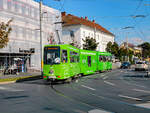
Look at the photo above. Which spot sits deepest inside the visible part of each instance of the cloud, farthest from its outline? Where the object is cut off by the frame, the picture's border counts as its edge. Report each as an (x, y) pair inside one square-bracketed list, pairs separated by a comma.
[(135, 41)]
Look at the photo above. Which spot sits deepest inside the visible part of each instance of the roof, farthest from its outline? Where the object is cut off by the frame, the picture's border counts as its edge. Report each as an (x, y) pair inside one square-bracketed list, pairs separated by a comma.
[(127, 44), (74, 20)]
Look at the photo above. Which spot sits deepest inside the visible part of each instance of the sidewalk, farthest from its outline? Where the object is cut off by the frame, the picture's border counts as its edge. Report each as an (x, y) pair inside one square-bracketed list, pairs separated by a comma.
[(20, 77)]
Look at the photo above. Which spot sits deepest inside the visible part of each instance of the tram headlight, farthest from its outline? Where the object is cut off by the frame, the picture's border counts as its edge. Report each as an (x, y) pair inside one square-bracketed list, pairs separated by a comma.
[(51, 71)]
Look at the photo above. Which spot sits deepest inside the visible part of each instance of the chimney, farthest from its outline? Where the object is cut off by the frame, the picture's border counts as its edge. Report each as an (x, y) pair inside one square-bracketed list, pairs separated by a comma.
[(93, 21), (86, 18), (63, 13)]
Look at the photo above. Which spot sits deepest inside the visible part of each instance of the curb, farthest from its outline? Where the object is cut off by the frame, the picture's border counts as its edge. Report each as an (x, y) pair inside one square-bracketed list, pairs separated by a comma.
[(8, 82), (21, 79)]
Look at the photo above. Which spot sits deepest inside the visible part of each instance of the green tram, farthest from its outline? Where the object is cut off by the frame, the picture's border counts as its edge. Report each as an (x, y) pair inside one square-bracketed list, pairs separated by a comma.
[(62, 62)]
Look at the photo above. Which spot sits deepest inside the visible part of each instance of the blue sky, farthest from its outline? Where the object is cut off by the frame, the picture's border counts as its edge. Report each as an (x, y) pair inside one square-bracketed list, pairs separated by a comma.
[(113, 15)]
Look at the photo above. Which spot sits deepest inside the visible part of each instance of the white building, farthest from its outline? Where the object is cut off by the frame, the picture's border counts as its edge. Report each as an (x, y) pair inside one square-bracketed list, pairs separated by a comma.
[(76, 28), (24, 40)]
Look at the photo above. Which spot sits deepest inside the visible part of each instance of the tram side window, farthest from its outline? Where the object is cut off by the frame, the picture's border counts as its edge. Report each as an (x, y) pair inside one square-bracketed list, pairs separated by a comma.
[(74, 57), (101, 58), (104, 59), (64, 56), (89, 61)]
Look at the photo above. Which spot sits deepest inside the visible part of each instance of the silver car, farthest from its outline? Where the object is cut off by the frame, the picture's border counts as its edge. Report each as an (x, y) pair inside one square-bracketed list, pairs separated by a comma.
[(141, 66)]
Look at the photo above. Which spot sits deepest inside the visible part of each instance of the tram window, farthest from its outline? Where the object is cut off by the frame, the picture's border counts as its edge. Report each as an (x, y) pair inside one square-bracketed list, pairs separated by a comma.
[(64, 56), (51, 55), (104, 58), (89, 61), (74, 57), (100, 58)]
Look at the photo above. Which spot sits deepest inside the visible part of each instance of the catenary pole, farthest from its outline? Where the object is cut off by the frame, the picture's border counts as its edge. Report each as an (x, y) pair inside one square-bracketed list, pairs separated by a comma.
[(40, 17)]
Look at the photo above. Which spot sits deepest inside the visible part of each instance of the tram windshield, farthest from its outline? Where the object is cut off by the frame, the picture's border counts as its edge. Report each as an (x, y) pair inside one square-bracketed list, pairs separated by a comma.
[(52, 55)]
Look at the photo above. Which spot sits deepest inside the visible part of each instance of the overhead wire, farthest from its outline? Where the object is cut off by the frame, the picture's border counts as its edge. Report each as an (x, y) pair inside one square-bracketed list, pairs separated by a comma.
[(62, 4)]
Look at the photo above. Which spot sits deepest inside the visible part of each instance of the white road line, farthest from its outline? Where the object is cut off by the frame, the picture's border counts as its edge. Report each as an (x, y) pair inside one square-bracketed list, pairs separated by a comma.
[(145, 105), (98, 111), (10, 89), (140, 90), (105, 77), (88, 87), (133, 98), (112, 84), (102, 75)]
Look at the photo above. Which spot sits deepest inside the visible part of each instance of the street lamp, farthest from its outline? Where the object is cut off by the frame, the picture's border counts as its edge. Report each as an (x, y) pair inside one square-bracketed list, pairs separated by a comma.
[(127, 27), (40, 17)]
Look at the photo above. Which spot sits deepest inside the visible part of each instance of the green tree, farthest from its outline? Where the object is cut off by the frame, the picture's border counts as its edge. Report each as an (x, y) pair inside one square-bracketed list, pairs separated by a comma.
[(109, 47), (145, 49), (112, 48), (90, 43), (5, 30)]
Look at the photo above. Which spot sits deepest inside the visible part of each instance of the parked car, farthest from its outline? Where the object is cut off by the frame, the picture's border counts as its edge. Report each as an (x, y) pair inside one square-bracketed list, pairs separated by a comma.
[(125, 65), (141, 66)]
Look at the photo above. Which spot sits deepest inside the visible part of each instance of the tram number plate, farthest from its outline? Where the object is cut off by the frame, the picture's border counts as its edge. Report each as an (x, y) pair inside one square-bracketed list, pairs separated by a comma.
[(52, 77)]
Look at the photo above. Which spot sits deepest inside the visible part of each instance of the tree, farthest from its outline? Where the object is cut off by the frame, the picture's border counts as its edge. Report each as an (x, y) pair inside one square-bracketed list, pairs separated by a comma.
[(5, 30), (90, 43), (145, 49), (113, 48), (109, 47)]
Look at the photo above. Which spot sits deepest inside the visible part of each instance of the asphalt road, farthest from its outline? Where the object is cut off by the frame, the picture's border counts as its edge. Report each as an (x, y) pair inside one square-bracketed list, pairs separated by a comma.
[(118, 91)]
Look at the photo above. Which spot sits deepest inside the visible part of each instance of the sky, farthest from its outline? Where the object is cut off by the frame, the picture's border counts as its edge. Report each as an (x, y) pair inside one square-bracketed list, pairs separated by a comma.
[(128, 20)]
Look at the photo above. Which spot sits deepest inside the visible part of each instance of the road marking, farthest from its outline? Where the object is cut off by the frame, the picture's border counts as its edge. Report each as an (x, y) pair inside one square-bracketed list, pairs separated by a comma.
[(102, 75), (133, 98), (112, 84), (140, 90), (10, 89), (88, 87), (98, 111), (145, 105), (105, 77)]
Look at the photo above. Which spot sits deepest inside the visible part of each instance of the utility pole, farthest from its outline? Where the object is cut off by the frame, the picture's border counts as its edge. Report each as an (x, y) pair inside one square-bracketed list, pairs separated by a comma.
[(40, 18)]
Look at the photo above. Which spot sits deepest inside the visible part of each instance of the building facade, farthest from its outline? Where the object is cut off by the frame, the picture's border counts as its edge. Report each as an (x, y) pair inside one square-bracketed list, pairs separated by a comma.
[(23, 48), (76, 29)]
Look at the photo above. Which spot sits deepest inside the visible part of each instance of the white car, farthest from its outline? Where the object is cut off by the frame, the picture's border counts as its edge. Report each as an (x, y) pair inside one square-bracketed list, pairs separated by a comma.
[(141, 66)]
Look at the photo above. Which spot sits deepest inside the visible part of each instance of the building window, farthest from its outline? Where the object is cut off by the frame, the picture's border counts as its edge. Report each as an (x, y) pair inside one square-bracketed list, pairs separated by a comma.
[(72, 33), (83, 33), (9, 4), (24, 32), (16, 6), (23, 9), (1, 4), (92, 35)]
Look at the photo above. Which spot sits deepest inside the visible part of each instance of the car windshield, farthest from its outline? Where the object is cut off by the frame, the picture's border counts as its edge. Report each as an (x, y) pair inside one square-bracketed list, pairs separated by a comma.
[(51, 55), (124, 63), (140, 63)]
